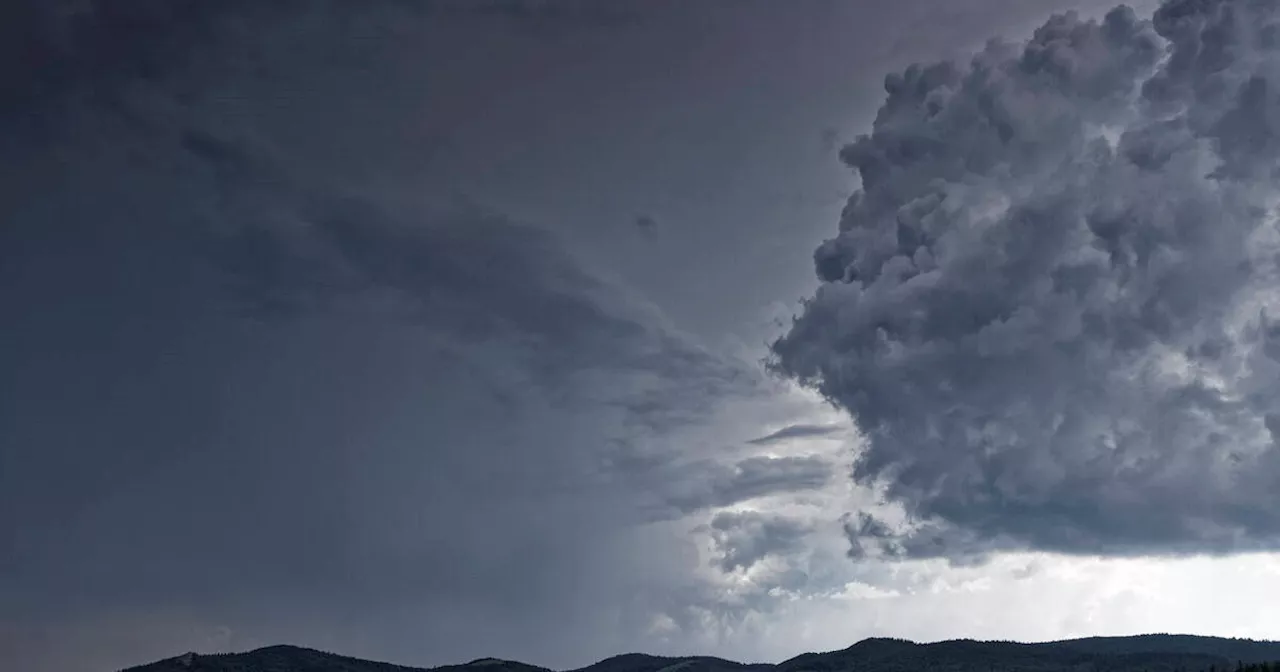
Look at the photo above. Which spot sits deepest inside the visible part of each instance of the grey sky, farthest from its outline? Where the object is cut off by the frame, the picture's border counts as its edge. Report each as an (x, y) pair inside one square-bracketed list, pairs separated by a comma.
[(426, 334)]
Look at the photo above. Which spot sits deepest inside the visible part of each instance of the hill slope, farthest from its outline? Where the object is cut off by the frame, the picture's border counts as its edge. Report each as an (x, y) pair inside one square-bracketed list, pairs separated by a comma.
[(1143, 653)]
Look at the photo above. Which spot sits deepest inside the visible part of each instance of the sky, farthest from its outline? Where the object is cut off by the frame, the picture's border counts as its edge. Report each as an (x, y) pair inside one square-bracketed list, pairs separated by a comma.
[(431, 331)]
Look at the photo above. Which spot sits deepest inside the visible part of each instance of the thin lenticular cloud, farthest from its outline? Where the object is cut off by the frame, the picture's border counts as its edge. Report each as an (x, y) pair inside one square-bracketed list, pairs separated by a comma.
[(796, 432), (1052, 306)]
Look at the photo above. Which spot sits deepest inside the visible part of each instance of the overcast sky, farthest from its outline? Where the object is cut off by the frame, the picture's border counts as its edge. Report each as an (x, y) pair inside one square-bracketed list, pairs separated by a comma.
[(428, 331)]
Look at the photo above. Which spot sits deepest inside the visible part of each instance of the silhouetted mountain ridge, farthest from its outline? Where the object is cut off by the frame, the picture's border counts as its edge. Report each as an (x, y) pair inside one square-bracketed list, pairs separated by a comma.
[(1141, 653), (643, 662)]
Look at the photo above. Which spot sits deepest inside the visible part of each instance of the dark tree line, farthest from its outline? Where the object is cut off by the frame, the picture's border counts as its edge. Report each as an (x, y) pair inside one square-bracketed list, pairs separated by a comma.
[(1252, 667)]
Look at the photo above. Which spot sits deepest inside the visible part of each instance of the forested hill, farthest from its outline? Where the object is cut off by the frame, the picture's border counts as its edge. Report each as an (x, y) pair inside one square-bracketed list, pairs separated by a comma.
[(1144, 653), (1246, 650)]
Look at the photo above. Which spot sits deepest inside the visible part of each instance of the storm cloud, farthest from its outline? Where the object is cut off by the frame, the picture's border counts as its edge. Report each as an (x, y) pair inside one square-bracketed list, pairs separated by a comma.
[(237, 374), (1052, 306), (336, 324)]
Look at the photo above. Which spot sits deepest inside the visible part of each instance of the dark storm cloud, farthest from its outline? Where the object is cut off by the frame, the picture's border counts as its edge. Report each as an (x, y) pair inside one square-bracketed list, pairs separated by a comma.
[(241, 389), (748, 537), (467, 270), (263, 382), (136, 335), (795, 432), (1051, 307)]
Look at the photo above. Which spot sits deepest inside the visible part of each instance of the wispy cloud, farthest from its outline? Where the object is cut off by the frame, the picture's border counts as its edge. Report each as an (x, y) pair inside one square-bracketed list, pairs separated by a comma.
[(796, 432)]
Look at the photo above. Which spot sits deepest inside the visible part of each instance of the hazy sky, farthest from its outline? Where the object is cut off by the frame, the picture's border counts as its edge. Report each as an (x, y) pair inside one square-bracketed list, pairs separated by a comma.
[(427, 331)]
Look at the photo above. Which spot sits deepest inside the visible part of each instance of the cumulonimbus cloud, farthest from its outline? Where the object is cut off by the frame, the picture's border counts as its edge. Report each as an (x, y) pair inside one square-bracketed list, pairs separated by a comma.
[(1052, 305)]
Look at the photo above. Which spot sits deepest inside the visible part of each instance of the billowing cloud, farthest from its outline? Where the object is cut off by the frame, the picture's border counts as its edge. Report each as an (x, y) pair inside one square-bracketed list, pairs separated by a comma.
[(1052, 306), (746, 538)]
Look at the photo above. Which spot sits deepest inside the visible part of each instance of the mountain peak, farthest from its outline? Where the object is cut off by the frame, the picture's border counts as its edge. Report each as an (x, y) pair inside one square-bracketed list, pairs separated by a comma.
[(881, 641)]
